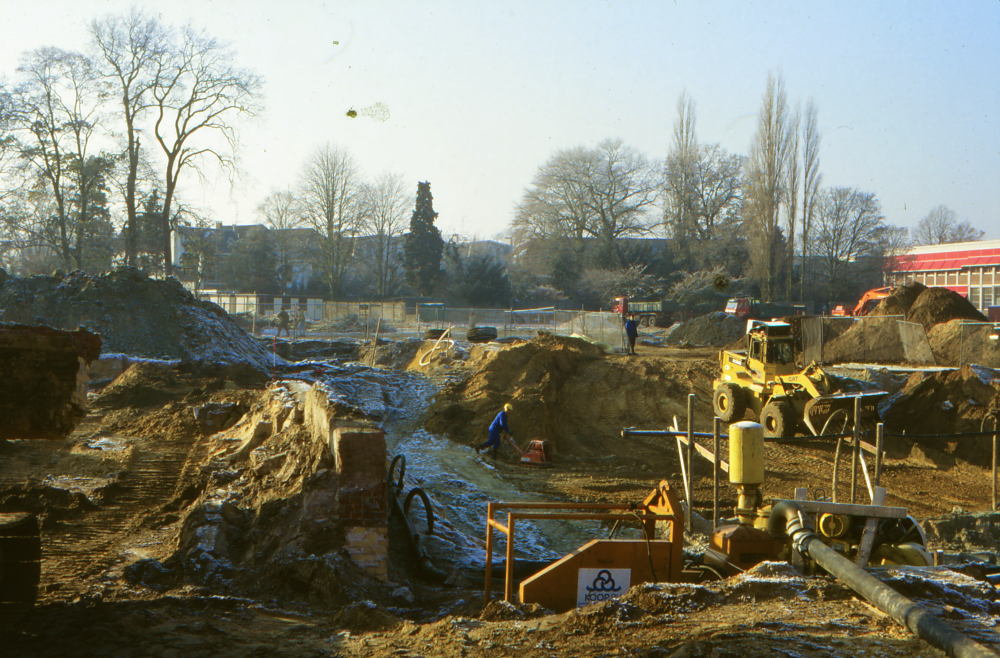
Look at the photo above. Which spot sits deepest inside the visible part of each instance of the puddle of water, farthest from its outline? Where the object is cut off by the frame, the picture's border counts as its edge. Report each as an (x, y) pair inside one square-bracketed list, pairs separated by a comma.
[(105, 445)]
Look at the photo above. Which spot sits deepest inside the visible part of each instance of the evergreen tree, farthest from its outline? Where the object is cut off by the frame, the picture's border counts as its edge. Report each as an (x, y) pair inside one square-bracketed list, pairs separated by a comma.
[(424, 246)]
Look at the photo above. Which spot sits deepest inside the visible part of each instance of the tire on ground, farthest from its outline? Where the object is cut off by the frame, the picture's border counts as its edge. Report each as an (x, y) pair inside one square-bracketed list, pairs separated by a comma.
[(729, 403), (481, 334), (778, 419), (433, 334)]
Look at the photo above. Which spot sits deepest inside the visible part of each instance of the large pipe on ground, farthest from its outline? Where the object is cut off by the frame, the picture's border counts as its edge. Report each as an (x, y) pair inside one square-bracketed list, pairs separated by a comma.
[(788, 519)]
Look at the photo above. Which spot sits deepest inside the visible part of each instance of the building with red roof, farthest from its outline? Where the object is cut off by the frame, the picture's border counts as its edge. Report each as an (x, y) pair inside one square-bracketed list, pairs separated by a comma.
[(971, 269)]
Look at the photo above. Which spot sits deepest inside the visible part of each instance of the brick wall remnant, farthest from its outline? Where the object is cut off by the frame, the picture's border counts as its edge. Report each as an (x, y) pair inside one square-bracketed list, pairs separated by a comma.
[(43, 380)]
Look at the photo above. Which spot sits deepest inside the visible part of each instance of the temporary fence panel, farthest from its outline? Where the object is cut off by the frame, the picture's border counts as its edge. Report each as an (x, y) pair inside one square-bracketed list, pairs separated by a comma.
[(873, 339), (232, 303), (812, 339), (916, 347), (979, 344)]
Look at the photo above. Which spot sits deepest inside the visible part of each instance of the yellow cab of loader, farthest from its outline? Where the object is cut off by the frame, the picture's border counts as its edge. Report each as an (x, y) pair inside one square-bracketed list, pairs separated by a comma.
[(765, 379)]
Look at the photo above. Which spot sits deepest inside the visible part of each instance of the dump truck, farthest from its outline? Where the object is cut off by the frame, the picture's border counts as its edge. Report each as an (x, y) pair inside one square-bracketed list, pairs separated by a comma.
[(765, 378), (44, 373), (748, 308), (659, 312)]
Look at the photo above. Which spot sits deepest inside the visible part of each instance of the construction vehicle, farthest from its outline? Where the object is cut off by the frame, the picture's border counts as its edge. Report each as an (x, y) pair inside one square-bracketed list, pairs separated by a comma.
[(748, 308), (765, 379), (658, 313), (44, 374), (865, 305)]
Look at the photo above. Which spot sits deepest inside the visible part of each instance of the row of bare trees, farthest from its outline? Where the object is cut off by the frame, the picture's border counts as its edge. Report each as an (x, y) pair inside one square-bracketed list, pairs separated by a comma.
[(73, 126), (355, 223), (764, 216)]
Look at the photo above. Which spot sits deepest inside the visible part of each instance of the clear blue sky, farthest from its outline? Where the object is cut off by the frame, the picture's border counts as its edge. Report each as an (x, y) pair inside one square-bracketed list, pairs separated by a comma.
[(480, 94)]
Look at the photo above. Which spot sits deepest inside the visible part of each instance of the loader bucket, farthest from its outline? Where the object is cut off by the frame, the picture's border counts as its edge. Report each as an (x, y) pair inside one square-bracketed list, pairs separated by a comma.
[(819, 410)]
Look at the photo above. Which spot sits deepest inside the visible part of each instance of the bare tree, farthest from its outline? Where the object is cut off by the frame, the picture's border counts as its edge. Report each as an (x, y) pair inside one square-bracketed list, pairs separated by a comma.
[(132, 48), (197, 94), (791, 194), (893, 242), (603, 193), (766, 177), (941, 226), (678, 175), (386, 204), (55, 111), (330, 203), (849, 225), (280, 214), (712, 203), (810, 188)]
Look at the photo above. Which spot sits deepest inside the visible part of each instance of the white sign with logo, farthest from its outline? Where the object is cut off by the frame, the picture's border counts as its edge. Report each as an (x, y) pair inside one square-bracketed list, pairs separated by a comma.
[(595, 585)]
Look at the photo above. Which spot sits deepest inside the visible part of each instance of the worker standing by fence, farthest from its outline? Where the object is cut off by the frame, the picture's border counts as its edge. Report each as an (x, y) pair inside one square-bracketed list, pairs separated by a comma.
[(631, 332)]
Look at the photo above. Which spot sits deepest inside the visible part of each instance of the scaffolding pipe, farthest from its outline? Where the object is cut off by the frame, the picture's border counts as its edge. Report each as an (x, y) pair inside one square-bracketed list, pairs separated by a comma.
[(688, 455), (788, 519)]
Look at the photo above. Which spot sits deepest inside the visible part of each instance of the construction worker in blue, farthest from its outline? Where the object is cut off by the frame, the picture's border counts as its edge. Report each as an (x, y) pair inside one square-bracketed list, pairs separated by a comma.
[(631, 332), (497, 428)]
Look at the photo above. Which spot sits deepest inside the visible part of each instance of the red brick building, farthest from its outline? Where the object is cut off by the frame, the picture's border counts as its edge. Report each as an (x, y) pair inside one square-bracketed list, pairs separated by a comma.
[(971, 269)]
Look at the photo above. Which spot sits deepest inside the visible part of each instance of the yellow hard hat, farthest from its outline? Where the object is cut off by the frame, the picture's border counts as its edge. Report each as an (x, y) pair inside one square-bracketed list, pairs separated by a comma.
[(508, 407)]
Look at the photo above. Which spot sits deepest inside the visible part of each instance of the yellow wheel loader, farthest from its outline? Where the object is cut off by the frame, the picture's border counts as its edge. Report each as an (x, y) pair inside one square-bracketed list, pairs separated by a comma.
[(764, 378)]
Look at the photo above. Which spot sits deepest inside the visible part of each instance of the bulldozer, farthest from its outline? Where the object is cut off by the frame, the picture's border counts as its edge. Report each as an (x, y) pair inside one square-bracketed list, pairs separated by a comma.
[(765, 379)]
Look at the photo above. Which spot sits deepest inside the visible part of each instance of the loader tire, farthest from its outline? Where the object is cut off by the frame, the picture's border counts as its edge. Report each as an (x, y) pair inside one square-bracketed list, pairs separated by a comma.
[(729, 403), (778, 420)]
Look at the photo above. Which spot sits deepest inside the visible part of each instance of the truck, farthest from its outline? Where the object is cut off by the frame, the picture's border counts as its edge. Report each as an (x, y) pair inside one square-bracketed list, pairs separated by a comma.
[(647, 313), (865, 305), (765, 379), (748, 308)]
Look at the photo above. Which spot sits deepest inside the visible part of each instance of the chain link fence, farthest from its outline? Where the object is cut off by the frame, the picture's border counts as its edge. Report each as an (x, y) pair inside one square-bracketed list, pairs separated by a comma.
[(891, 340), (979, 344)]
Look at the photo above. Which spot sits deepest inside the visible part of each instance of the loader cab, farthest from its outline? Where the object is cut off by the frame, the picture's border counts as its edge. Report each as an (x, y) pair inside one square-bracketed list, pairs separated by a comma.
[(772, 345)]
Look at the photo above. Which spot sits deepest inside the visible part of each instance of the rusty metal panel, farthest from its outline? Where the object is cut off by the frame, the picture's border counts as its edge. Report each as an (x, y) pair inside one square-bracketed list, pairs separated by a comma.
[(556, 586)]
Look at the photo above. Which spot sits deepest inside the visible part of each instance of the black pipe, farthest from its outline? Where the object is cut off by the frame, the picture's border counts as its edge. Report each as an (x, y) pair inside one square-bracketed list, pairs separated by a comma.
[(925, 625)]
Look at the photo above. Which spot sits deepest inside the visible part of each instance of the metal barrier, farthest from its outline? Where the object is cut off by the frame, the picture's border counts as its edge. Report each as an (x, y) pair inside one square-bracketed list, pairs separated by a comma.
[(569, 512)]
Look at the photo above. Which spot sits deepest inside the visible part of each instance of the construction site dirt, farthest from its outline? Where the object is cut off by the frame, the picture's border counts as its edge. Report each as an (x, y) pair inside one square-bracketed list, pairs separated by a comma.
[(187, 513)]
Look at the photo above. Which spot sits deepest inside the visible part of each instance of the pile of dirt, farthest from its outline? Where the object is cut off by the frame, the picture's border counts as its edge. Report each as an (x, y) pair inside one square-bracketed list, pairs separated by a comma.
[(870, 340), (569, 392), (945, 402), (936, 305), (877, 339), (899, 300), (959, 342), (713, 329), (134, 315)]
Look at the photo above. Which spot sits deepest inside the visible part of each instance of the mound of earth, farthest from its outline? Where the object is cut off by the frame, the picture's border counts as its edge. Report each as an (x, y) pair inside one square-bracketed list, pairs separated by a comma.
[(945, 402), (569, 392), (712, 329), (870, 340), (959, 342), (936, 305), (134, 315), (900, 300)]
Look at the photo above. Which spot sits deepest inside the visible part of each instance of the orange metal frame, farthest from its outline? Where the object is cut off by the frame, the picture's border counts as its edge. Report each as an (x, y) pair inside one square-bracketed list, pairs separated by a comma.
[(662, 498)]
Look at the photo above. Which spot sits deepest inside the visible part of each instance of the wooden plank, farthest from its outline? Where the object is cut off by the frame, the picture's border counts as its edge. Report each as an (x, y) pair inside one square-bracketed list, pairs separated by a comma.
[(868, 538)]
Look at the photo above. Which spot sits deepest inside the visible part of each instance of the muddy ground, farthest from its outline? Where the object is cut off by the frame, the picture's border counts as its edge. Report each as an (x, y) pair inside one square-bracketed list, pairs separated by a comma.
[(126, 499)]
